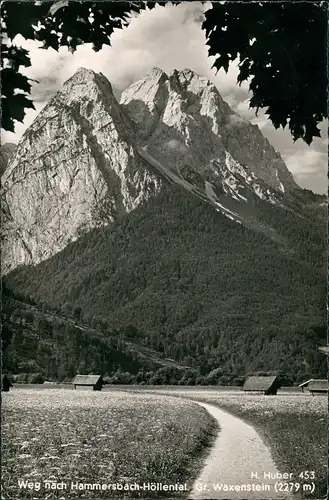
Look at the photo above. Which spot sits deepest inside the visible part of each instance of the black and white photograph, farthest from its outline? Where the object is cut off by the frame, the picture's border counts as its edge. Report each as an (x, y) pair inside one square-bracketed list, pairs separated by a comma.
[(164, 219)]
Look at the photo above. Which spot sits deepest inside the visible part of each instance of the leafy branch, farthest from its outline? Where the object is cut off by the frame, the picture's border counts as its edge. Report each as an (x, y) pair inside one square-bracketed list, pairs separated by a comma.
[(281, 49)]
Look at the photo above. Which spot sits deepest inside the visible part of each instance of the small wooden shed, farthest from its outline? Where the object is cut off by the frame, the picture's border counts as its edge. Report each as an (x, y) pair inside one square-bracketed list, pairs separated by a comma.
[(304, 385), (88, 382), (268, 385), (5, 383), (318, 386)]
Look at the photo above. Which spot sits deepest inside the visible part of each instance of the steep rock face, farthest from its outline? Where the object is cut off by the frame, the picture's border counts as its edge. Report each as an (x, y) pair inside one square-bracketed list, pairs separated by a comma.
[(183, 118), (6, 152), (74, 168)]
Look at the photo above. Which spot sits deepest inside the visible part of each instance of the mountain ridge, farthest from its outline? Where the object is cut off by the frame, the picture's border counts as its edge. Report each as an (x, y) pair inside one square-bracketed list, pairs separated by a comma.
[(187, 92), (79, 165)]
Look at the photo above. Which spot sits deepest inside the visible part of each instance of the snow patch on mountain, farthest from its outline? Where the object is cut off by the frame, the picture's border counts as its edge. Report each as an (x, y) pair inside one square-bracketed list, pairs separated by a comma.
[(281, 186), (230, 181), (209, 189), (235, 179)]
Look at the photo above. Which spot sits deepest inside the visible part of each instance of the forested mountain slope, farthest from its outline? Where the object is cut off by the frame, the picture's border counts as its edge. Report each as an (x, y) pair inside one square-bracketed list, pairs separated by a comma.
[(197, 286), (40, 344)]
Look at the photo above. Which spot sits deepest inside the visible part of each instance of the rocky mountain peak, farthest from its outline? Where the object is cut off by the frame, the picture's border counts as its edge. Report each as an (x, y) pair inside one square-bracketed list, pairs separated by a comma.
[(190, 80), (188, 109), (87, 159), (86, 85), (146, 89), (84, 74), (74, 169), (155, 73)]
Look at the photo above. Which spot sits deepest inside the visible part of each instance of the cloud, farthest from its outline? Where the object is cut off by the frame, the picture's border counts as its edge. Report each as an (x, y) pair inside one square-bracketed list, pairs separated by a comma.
[(308, 164), (310, 169), (303, 162), (261, 121), (168, 37), (235, 120)]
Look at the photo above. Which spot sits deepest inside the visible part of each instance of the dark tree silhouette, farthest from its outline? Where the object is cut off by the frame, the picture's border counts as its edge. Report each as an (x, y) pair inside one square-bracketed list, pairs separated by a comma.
[(281, 48)]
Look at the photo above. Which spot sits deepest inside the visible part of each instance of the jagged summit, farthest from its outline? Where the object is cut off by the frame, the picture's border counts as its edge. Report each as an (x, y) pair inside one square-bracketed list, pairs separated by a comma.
[(186, 76), (189, 108), (83, 76), (84, 72), (155, 72), (157, 75), (86, 75), (185, 71), (86, 84)]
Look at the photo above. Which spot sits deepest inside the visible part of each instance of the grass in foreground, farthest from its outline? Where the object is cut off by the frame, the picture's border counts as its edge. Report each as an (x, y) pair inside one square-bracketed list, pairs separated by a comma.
[(101, 437), (293, 425)]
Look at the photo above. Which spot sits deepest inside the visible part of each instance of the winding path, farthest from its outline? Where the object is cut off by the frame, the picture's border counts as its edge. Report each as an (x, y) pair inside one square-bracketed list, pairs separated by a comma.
[(237, 453)]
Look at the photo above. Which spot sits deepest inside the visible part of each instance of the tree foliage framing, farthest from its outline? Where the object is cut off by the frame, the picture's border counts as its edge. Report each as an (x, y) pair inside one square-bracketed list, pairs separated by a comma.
[(280, 46)]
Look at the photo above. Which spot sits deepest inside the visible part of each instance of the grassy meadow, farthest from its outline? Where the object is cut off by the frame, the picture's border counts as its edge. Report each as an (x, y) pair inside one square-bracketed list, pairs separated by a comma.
[(100, 437), (293, 425)]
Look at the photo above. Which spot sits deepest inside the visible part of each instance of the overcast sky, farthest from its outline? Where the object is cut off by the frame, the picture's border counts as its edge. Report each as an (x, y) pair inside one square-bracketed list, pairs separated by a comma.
[(168, 37)]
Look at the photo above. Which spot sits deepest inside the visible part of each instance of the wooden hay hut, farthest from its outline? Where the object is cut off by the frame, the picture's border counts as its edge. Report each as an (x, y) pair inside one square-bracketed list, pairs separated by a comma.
[(88, 382), (5, 383), (304, 385), (318, 386), (262, 385)]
